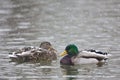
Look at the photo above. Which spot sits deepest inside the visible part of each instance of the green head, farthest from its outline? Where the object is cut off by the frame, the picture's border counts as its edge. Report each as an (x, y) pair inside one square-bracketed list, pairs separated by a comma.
[(71, 50)]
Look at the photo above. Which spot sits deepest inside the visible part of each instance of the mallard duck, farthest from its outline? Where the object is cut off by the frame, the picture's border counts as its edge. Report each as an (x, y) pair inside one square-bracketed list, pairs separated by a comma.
[(73, 56), (45, 52)]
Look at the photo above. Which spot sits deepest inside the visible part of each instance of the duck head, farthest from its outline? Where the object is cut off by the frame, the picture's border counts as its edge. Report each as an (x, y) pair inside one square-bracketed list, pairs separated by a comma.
[(45, 45), (70, 50)]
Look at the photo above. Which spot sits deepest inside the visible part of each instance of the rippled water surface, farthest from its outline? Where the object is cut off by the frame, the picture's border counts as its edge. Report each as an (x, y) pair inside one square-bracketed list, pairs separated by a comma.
[(90, 24)]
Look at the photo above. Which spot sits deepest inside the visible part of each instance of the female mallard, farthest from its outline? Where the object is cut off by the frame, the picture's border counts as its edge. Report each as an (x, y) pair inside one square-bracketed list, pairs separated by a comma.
[(33, 54), (73, 56)]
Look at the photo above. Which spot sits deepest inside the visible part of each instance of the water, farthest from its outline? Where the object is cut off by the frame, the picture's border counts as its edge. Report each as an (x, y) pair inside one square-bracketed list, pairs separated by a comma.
[(90, 24)]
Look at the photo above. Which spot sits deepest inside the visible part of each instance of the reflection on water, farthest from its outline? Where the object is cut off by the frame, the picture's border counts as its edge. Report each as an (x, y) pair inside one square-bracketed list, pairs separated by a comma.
[(88, 24), (70, 73), (86, 71)]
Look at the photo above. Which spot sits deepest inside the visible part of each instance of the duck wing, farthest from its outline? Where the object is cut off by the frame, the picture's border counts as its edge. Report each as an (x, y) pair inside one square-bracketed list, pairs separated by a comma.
[(93, 54)]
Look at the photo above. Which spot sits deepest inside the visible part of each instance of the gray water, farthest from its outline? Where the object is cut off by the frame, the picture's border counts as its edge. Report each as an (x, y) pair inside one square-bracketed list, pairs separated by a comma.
[(90, 24)]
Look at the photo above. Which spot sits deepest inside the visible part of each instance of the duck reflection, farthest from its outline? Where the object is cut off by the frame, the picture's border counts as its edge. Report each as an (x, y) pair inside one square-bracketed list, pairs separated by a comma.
[(73, 72), (70, 72)]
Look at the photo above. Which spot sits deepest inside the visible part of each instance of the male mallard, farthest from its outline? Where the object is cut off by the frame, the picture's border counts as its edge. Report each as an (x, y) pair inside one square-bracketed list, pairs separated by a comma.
[(33, 54), (73, 56)]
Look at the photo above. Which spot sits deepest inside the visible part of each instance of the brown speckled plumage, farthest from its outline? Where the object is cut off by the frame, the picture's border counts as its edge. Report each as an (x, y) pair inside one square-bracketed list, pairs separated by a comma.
[(45, 53)]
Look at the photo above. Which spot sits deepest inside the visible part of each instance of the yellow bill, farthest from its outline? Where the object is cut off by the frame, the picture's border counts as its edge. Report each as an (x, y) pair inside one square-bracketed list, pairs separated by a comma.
[(63, 53)]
